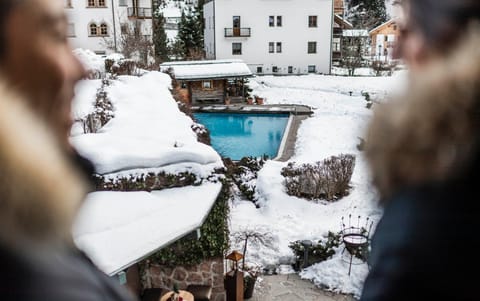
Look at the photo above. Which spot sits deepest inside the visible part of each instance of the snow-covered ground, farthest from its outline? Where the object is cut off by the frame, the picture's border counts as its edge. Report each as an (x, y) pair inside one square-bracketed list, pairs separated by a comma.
[(338, 121), (148, 131)]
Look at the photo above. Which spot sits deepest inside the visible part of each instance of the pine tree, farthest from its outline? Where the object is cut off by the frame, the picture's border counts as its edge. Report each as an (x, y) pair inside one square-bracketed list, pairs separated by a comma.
[(190, 34), (366, 14), (160, 40)]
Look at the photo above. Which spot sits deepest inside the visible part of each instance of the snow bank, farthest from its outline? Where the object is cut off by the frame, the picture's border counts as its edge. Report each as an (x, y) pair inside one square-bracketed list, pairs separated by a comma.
[(148, 130), (90, 61)]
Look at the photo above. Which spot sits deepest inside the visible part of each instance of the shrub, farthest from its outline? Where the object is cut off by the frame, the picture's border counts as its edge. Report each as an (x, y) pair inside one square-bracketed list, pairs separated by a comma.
[(368, 99), (121, 66), (322, 250), (244, 174), (145, 182), (103, 112), (328, 179)]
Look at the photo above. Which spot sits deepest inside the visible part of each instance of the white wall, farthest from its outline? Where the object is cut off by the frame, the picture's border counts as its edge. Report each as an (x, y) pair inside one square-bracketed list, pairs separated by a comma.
[(81, 16), (294, 34)]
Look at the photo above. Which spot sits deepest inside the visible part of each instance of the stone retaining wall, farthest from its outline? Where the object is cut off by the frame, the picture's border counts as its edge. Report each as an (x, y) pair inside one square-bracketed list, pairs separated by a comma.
[(209, 272)]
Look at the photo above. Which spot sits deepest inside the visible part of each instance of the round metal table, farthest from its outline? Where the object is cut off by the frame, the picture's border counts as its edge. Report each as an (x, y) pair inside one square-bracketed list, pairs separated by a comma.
[(186, 296)]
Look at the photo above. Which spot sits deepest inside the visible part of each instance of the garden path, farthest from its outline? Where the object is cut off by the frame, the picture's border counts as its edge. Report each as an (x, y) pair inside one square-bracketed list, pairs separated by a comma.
[(291, 287)]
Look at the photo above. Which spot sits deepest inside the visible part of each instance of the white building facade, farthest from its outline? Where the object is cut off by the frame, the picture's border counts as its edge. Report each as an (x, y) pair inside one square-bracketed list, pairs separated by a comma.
[(271, 36), (98, 25)]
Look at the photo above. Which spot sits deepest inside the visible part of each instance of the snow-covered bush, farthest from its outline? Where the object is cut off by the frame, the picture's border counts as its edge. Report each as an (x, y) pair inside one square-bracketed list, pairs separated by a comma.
[(94, 64), (103, 112), (145, 182), (244, 174), (320, 251), (328, 179), (120, 66)]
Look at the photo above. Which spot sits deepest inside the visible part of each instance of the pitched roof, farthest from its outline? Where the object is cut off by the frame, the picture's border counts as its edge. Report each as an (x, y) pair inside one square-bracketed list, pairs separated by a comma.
[(355, 33), (381, 25), (207, 69), (338, 19), (117, 229)]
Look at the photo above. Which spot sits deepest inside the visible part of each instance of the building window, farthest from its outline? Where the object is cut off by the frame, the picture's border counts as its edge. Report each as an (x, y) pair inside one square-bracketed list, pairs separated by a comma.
[(312, 47), (68, 4), (236, 48), (71, 30), (336, 44), (271, 21), (279, 47), (312, 21), (290, 69), (259, 70), (92, 29), (100, 52), (207, 85), (124, 28), (279, 21), (275, 69), (271, 46), (96, 3), (311, 69), (386, 38), (103, 29), (122, 3), (183, 84)]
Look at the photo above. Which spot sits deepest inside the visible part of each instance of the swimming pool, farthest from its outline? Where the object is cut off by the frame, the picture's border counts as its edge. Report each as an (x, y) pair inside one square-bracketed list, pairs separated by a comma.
[(243, 135)]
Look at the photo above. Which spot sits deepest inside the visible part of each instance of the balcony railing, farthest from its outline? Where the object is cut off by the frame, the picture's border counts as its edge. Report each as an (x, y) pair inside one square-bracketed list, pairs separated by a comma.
[(140, 12), (237, 32)]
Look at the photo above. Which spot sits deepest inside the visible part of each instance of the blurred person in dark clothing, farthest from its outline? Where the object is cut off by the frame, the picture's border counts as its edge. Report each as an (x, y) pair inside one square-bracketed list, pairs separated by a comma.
[(424, 152), (41, 183)]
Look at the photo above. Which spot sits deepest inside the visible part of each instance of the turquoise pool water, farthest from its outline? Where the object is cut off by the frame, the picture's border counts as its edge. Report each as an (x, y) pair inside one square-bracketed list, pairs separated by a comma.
[(242, 135)]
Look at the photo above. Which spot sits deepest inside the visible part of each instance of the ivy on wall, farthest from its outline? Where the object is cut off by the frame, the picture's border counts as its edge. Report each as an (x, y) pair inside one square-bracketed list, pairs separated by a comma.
[(212, 243)]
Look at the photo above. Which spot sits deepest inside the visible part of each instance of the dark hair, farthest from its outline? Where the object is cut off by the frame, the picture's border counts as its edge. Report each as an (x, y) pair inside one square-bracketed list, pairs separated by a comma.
[(5, 8), (442, 22)]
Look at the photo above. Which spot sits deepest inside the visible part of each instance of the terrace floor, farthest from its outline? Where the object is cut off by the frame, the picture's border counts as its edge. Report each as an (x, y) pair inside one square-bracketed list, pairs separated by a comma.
[(291, 287)]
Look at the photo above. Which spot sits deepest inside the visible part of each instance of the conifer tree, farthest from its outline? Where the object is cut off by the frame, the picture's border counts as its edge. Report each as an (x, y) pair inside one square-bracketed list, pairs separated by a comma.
[(366, 14), (160, 40), (190, 34)]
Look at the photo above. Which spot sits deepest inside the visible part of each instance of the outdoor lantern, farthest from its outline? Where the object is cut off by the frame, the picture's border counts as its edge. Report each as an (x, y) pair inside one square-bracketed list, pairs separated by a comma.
[(235, 257)]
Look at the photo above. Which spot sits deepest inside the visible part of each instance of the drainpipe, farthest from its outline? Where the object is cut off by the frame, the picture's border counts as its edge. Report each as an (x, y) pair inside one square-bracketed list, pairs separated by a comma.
[(214, 32), (114, 27), (331, 37)]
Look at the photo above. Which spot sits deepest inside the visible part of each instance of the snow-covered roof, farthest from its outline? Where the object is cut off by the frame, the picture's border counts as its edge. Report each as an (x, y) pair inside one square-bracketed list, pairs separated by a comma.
[(381, 25), (171, 11), (118, 229), (355, 33), (148, 130), (207, 69), (148, 133), (339, 18)]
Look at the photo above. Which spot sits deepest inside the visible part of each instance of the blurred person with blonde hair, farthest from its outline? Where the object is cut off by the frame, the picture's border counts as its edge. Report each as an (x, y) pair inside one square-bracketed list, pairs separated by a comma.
[(424, 153), (42, 179)]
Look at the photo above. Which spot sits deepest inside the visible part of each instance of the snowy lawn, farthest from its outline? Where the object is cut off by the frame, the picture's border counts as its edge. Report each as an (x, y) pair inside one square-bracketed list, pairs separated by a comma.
[(338, 121)]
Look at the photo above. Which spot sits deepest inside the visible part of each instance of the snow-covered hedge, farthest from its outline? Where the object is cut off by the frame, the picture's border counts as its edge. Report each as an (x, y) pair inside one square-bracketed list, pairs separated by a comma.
[(328, 179)]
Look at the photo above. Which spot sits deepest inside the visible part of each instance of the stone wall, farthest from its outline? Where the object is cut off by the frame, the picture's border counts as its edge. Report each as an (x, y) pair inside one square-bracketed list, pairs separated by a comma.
[(209, 272)]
